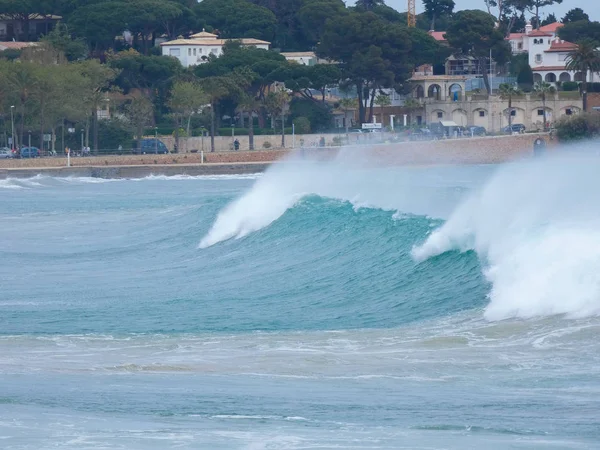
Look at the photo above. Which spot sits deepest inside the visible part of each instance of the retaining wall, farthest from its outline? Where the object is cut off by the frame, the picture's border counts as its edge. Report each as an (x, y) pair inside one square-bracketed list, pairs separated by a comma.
[(486, 150)]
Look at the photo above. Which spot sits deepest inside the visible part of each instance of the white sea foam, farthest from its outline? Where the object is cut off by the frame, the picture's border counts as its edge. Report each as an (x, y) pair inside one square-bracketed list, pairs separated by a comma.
[(347, 178), (10, 184), (536, 226)]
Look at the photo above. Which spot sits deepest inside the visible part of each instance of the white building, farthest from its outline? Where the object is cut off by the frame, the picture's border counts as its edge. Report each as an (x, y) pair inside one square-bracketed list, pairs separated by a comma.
[(304, 58), (548, 54), (200, 46)]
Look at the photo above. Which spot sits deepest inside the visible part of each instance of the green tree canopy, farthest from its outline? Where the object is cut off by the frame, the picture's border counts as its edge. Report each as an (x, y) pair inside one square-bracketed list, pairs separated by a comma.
[(289, 35), (60, 39), (153, 74), (474, 33), (585, 58), (371, 52), (580, 30), (550, 19), (100, 23), (236, 19), (314, 14), (575, 15), (437, 8)]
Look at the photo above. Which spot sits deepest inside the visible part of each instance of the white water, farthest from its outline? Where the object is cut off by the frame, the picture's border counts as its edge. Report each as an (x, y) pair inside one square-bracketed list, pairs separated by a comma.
[(536, 226), (419, 191)]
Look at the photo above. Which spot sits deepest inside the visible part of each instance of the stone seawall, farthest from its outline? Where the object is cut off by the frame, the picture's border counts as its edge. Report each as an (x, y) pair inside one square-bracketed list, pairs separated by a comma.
[(487, 150)]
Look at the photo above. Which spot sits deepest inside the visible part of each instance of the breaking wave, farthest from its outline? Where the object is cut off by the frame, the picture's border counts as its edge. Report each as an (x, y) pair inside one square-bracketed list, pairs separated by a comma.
[(536, 227)]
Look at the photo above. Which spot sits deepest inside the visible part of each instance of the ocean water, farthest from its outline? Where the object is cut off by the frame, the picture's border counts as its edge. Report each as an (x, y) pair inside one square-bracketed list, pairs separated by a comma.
[(321, 305)]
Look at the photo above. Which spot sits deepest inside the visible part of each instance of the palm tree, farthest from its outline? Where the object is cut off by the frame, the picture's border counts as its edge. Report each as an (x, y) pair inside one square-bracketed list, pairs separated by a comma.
[(412, 105), (348, 104), (507, 92), (277, 104), (542, 89), (585, 58), (249, 104), (382, 100)]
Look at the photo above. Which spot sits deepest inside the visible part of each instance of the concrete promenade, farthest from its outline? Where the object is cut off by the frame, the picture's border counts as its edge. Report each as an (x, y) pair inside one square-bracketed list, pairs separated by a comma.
[(487, 150)]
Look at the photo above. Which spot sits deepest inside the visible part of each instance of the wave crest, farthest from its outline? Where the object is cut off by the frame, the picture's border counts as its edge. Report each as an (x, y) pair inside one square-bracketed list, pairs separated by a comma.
[(536, 226)]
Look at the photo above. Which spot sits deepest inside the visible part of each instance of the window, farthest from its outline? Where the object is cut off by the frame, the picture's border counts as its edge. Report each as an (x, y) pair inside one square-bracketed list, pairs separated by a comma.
[(194, 52), (540, 112), (569, 112), (189, 52), (520, 46), (481, 113), (440, 115), (513, 113), (174, 52), (538, 58)]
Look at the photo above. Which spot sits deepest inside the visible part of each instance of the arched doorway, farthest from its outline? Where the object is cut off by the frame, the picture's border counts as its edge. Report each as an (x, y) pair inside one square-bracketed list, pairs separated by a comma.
[(550, 78), (455, 92), (564, 77), (578, 76), (537, 78), (419, 91), (434, 91)]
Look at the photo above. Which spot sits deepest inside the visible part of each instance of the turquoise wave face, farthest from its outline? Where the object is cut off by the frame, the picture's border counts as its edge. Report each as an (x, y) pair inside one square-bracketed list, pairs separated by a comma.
[(317, 306), (122, 257)]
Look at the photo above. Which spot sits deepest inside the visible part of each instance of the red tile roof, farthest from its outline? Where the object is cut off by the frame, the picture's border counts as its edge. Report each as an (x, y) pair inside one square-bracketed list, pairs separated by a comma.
[(516, 35), (561, 46), (551, 28), (538, 33), (438, 35)]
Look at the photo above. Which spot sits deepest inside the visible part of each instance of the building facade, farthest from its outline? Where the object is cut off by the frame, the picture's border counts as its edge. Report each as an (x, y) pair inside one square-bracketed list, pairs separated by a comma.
[(200, 46), (35, 26)]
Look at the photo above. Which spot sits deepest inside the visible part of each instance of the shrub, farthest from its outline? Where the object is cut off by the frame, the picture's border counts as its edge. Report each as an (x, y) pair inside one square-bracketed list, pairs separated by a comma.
[(579, 127), (267, 144), (302, 125), (570, 86), (317, 113), (112, 133)]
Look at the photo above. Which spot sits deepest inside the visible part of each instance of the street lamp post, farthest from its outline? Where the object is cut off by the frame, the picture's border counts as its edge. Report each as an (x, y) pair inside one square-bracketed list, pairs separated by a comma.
[(156, 140), (12, 126), (29, 141), (82, 130)]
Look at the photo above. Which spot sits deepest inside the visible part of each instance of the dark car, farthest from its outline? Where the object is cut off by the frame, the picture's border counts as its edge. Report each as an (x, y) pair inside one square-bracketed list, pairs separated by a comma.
[(27, 152), (514, 128), (475, 131), (152, 147)]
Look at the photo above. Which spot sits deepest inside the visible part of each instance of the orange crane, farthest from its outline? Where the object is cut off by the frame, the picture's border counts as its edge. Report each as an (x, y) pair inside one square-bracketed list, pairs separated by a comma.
[(412, 15)]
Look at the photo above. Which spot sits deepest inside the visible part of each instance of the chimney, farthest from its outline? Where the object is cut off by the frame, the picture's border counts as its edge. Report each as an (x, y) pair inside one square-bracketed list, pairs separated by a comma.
[(528, 28)]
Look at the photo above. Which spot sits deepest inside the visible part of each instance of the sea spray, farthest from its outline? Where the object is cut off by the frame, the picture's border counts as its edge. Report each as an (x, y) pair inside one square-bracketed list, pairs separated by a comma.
[(351, 177), (536, 226)]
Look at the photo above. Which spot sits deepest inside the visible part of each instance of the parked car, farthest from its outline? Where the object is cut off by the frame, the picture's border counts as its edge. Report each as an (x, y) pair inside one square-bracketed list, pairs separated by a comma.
[(514, 128), (27, 152), (476, 131), (422, 134), (152, 146), (5, 153)]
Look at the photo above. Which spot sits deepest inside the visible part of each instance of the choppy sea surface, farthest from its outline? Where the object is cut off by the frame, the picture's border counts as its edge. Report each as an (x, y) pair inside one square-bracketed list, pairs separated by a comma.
[(321, 305)]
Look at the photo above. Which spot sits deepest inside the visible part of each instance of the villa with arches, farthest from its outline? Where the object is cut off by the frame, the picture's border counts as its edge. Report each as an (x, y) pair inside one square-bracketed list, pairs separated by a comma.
[(444, 98)]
